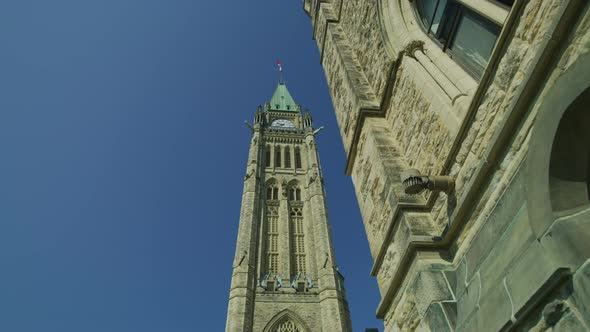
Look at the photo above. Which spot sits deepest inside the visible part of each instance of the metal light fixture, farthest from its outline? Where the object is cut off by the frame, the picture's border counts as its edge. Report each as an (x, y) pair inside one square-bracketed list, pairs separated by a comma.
[(415, 183)]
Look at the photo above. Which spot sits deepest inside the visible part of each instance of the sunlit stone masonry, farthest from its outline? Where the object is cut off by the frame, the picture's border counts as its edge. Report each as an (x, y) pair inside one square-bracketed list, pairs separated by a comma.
[(284, 272), (467, 129)]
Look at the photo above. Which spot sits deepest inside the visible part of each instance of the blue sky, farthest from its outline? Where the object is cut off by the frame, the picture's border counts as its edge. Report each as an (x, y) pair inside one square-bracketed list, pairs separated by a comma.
[(123, 151)]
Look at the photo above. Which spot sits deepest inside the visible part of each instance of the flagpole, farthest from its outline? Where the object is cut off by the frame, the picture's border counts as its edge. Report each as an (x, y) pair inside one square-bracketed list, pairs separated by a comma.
[(280, 71)]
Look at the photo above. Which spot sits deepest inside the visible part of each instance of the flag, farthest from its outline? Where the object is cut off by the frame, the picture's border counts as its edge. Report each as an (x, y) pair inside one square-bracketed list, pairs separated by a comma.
[(279, 64)]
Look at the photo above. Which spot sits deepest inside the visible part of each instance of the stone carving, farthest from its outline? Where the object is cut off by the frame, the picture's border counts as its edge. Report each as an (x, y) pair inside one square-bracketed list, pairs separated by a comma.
[(412, 47), (313, 178), (389, 260), (243, 256), (250, 172)]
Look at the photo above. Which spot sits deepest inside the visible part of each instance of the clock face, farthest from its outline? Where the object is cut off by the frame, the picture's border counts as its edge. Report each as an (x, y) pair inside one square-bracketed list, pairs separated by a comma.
[(282, 123)]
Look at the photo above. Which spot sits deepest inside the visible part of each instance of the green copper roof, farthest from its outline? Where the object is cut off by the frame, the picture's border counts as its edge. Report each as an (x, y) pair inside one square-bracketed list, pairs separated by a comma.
[(281, 100)]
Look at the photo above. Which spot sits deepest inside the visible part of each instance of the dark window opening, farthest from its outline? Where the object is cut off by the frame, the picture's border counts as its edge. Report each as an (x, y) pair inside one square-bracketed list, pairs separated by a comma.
[(287, 157), (297, 158), (277, 156), (269, 193), (267, 157), (569, 167), (295, 194), (508, 3)]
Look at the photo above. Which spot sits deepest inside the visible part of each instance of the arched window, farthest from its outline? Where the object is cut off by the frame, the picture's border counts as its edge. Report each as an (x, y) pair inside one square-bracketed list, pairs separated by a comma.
[(272, 239), (286, 321), (569, 167), (278, 156), (294, 194), (298, 238), (287, 157), (267, 156), (297, 158), (272, 191), (465, 35)]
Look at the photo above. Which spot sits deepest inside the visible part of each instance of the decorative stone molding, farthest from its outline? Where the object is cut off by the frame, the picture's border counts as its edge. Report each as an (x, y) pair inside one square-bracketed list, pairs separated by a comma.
[(412, 47)]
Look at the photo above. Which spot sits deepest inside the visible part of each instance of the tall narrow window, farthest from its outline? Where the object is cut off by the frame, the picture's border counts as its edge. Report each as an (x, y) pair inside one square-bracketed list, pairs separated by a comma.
[(467, 36), (277, 156), (267, 156), (294, 194), (298, 238), (272, 239), (569, 167), (272, 192), (287, 157), (297, 158)]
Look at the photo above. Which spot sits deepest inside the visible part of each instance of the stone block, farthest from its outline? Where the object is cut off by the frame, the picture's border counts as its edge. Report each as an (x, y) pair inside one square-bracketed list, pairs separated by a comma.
[(451, 276), (495, 309), (507, 210), (461, 278), (435, 319), (581, 293), (469, 301), (450, 309), (568, 239), (469, 324), (512, 243), (532, 275)]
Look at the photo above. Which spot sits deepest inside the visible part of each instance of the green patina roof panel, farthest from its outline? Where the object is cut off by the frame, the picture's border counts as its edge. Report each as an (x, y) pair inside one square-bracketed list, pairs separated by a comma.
[(281, 100)]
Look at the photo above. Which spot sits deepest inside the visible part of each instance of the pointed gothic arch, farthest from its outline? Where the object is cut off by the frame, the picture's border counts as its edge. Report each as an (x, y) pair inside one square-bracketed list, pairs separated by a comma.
[(286, 321), (559, 213), (272, 189), (294, 190)]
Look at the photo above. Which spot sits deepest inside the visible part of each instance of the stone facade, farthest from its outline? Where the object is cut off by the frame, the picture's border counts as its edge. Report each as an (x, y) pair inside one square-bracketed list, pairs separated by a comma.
[(284, 273), (509, 247)]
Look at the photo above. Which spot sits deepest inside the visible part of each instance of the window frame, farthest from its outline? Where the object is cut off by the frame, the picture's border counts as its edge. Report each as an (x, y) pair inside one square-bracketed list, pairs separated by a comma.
[(287, 156), (278, 156), (462, 8), (268, 156), (298, 161)]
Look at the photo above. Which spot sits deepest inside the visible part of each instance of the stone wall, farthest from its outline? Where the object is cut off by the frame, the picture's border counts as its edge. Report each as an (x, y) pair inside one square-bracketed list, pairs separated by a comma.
[(472, 259)]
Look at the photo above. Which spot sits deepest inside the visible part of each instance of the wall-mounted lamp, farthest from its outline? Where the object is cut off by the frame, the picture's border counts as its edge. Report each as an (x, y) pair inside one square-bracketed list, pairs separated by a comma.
[(415, 183)]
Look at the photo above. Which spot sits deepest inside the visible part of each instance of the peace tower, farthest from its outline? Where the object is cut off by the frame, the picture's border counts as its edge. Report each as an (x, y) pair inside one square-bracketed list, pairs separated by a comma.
[(284, 272)]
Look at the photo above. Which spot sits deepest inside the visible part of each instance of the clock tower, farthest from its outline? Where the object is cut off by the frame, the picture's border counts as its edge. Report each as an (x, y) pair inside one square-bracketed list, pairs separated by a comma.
[(285, 277)]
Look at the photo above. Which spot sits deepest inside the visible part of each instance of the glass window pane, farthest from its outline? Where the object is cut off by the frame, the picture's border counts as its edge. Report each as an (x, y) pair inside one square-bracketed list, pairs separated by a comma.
[(426, 11), (445, 25), (474, 40), (437, 17)]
